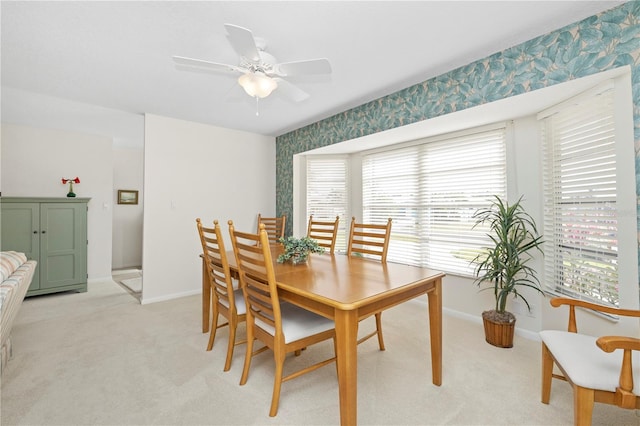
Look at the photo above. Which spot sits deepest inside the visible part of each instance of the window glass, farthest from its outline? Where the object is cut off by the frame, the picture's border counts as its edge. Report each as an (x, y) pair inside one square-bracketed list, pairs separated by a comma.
[(580, 189), (431, 191), (328, 193)]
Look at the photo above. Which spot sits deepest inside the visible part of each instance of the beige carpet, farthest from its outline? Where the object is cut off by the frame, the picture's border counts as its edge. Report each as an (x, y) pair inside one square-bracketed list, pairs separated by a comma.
[(101, 358)]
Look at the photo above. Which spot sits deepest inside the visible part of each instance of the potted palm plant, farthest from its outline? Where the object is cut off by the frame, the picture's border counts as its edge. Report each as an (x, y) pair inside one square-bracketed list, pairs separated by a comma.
[(504, 266)]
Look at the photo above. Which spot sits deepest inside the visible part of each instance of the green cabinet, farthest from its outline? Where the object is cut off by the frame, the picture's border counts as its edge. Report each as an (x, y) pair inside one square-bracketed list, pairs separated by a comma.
[(52, 231)]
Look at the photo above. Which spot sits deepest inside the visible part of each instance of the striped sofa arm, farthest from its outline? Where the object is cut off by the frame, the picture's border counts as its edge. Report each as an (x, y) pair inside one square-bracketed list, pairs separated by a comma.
[(12, 292)]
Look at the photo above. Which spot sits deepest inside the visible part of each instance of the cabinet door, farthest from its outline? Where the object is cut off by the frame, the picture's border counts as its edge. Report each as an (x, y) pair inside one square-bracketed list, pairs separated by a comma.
[(63, 244), (20, 230)]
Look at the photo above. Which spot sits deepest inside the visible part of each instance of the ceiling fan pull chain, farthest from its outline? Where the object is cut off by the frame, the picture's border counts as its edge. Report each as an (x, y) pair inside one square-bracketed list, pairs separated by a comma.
[(257, 110)]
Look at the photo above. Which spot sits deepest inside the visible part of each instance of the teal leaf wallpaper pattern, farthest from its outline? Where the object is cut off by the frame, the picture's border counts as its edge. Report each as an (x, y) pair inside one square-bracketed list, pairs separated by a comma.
[(599, 43)]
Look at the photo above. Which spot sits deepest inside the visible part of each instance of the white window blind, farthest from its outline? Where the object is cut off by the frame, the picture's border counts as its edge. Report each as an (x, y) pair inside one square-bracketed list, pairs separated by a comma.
[(431, 191), (328, 192), (580, 198)]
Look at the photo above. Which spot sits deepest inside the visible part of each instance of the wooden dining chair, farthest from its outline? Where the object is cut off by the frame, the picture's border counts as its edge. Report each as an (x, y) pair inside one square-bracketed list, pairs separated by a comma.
[(372, 241), (274, 226), (324, 232), (599, 369), (282, 327), (227, 301)]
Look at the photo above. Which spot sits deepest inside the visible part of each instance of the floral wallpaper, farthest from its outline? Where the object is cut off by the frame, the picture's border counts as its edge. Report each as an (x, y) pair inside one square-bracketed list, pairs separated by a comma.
[(598, 43)]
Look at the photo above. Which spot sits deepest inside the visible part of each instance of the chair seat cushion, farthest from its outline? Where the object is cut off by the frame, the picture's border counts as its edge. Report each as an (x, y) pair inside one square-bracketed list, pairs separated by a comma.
[(298, 323), (241, 308), (587, 365)]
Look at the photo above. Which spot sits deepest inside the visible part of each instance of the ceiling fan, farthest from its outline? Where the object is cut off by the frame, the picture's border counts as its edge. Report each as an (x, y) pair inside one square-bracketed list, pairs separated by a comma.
[(260, 73)]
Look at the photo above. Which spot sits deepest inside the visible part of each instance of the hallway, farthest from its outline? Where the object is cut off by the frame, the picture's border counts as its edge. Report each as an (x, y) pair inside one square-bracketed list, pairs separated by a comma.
[(130, 280)]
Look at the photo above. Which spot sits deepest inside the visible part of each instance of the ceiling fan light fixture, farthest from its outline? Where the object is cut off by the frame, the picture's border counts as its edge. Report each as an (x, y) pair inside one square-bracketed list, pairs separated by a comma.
[(257, 84)]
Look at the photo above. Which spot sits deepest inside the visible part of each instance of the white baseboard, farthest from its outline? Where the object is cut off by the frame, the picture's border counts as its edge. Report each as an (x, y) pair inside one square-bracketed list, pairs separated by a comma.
[(147, 301), (98, 280)]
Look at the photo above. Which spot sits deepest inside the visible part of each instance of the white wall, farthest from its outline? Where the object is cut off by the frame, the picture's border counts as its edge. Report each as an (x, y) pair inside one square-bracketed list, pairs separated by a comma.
[(33, 161), (194, 170), (128, 166)]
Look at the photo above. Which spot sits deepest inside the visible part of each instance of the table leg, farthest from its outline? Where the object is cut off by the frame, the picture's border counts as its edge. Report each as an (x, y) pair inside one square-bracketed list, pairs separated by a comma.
[(347, 359), (206, 297), (435, 328)]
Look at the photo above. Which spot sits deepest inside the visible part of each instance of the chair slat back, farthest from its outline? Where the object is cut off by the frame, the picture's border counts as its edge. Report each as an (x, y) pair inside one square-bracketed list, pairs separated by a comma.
[(257, 276), (274, 226), (324, 232), (368, 239), (217, 264)]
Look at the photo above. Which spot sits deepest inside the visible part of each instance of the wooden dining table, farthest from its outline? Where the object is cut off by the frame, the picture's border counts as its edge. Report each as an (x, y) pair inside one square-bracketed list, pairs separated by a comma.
[(347, 289)]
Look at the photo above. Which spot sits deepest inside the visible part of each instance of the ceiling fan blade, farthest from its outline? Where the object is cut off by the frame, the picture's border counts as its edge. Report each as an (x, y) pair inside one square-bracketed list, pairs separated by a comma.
[(290, 91), (311, 66), (210, 66), (243, 43)]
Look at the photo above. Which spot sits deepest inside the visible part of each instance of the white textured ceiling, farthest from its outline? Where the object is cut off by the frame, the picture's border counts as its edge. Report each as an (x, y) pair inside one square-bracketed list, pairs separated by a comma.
[(116, 56)]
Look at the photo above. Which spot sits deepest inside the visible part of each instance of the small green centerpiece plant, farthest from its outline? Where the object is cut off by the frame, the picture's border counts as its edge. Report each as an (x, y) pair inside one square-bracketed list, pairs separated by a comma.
[(297, 249)]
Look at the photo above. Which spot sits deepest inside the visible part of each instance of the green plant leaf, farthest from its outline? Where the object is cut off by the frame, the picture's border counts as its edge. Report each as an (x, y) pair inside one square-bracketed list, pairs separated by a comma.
[(297, 249), (503, 266)]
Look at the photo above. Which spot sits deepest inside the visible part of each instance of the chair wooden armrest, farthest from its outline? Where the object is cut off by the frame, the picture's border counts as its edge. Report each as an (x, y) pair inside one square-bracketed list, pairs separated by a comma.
[(573, 303), (624, 396), (611, 343)]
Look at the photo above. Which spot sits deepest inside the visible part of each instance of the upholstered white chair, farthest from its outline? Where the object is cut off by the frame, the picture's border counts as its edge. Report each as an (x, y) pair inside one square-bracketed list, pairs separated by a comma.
[(370, 240), (324, 232), (605, 369), (228, 299), (281, 327), (274, 226)]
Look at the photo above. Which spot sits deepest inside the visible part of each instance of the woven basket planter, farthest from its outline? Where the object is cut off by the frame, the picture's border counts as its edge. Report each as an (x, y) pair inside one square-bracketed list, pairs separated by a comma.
[(496, 333)]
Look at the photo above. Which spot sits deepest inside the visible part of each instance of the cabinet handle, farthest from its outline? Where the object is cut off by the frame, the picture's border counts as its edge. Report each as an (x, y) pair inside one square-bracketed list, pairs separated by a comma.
[(44, 232), (35, 232)]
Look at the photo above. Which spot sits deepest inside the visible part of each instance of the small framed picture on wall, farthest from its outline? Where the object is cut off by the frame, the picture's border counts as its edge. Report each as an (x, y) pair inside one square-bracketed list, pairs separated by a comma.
[(127, 196)]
